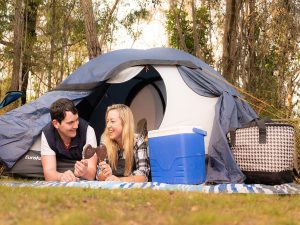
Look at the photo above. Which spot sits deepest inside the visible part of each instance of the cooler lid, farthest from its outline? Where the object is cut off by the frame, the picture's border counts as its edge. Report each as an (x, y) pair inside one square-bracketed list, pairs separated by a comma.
[(176, 130)]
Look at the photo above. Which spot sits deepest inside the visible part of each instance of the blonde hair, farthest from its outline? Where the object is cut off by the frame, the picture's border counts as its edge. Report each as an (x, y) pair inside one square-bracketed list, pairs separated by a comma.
[(127, 120)]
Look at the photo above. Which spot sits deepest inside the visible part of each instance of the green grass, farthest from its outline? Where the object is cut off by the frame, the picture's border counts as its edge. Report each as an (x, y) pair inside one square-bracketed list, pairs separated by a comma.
[(61, 205)]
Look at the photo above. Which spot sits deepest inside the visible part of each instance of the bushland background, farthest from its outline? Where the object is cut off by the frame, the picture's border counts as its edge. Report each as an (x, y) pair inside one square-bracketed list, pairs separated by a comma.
[(253, 43)]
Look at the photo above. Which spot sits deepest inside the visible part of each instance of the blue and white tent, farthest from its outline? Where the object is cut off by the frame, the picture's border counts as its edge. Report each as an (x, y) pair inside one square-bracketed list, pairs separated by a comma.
[(166, 86)]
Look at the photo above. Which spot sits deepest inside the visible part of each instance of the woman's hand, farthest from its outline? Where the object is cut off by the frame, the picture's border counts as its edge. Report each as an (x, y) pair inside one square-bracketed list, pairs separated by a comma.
[(112, 178), (105, 169)]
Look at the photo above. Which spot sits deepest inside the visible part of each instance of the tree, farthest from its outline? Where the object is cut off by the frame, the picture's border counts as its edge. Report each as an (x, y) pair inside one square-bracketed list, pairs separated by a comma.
[(230, 35), (108, 20), (270, 55), (17, 46), (90, 28), (52, 42), (30, 16), (190, 33), (195, 33), (176, 14)]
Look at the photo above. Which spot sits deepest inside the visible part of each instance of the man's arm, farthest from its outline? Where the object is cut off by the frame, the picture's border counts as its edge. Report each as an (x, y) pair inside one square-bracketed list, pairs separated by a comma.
[(49, 168), (48, 158), (50, 172)]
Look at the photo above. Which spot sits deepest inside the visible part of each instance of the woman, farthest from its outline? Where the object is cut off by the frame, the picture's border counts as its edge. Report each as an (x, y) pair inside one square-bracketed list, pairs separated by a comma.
[(127, 153)]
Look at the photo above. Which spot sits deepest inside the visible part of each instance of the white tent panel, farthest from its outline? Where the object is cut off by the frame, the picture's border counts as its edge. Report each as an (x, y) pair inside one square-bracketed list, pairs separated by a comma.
[(184, 106), (147, 104), (125, 75)]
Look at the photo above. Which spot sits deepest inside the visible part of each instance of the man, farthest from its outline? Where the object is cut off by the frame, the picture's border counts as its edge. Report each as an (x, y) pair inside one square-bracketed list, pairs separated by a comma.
[(64, 138)]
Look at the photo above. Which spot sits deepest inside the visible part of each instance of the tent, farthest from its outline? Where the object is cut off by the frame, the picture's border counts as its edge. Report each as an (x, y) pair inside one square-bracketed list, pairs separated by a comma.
[(167, 87), (10, 97)]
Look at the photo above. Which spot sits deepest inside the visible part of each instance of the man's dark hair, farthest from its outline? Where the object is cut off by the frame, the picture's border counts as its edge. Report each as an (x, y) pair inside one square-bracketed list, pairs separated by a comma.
[(59, 108)]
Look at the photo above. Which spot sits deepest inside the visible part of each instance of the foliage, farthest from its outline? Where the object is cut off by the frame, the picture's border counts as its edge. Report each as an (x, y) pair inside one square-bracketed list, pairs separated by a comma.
[(68, 39), (203, 24), (127, 18), (132, 18), (275, 49), (203, 28), (185, 25), (5, 18), (6, 46)]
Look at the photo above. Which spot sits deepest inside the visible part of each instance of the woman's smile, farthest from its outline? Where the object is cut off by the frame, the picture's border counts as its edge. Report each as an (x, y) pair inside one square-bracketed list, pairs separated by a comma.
[(114, 125)]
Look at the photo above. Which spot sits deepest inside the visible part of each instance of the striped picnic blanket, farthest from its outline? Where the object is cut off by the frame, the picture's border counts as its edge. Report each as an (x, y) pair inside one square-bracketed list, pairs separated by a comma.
[(290, 188)]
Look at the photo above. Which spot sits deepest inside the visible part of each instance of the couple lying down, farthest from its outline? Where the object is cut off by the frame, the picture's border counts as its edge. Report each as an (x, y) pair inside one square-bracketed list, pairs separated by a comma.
[(121, 156)]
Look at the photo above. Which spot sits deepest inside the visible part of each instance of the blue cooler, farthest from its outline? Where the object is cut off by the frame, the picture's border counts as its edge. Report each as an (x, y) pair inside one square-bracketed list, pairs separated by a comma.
[(177, 155)]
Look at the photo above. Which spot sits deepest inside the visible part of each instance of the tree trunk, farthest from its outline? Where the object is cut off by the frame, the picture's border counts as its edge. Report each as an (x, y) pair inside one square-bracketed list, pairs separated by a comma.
[(30, 17), (177, 21), (62, 53), (197, 52), (52, 43), (38, 90), (230, 39), (90, 28), (65, 34), (18, 35), (253, 76), (107, 22)]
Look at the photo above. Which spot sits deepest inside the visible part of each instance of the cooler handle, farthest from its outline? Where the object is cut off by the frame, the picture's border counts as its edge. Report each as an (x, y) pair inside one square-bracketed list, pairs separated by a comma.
[(199, 131)]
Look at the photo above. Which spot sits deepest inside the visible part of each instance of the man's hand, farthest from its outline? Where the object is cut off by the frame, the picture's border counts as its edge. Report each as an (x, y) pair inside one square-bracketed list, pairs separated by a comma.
[(50, 172), (68, 176), (81, 168)]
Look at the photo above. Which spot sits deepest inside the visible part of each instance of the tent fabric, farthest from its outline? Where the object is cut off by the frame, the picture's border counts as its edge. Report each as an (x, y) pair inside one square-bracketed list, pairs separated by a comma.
[(106, 65), (86, 85), (284, 189), (20, 127), (230, 112), (10, 97), (125, 74)]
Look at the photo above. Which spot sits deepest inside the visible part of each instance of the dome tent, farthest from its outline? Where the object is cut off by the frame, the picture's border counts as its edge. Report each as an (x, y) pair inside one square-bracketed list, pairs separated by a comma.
[(166, 86)]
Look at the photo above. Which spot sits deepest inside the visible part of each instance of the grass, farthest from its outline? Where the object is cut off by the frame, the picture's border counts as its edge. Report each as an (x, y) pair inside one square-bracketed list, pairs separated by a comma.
[(61, 205)]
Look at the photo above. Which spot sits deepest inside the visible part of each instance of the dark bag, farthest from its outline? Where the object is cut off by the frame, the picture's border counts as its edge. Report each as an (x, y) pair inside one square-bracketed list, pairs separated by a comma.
[(264, 151), (29, 165)]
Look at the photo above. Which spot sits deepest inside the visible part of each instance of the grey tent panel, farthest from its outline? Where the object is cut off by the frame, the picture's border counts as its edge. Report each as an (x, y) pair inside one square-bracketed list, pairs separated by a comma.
[(106, 65)]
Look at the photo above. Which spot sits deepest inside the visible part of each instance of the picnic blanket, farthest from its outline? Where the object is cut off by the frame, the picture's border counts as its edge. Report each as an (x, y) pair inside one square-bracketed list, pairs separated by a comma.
[(289, 188)]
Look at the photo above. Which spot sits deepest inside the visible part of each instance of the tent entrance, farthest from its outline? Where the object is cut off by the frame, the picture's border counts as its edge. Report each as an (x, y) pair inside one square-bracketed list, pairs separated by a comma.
[(142, 89)]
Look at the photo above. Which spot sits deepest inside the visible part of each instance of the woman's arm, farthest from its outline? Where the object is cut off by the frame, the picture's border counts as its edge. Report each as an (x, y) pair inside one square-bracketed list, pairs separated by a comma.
[(141, 159), (134, 179), (127, 179)]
